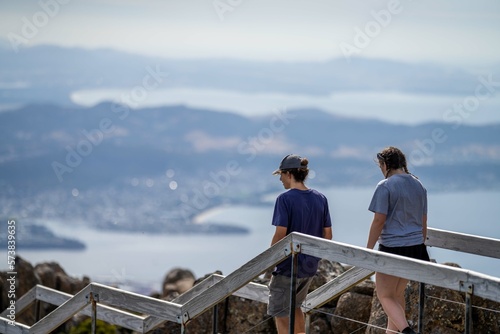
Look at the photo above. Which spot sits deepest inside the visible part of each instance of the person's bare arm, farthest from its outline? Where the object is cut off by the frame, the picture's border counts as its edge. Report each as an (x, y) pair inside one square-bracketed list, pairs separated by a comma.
[(424, 227), (375, 229), (279, 234), (327, 233)]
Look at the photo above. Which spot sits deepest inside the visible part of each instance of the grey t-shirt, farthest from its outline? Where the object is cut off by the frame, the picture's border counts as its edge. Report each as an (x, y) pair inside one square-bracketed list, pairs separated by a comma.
[(404, 200)]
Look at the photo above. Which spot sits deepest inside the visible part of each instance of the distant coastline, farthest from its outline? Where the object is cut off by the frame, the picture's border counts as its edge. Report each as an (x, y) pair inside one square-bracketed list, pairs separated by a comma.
[(33, 236)]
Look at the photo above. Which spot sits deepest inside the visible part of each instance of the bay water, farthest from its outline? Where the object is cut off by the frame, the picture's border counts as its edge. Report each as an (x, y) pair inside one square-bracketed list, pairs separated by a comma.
[(139, 261)]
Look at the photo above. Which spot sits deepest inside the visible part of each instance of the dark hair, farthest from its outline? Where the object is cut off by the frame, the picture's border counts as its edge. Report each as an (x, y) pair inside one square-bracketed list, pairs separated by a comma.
[(299, 174), (393, 158)]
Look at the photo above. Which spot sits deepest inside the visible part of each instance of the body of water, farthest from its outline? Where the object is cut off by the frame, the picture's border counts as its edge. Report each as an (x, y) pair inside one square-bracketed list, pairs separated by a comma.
[(122, 258), (385, 106)]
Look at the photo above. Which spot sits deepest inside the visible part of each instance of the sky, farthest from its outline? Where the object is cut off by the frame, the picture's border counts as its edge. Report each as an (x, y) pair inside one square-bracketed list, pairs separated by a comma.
[(447, 31), (461, 33)]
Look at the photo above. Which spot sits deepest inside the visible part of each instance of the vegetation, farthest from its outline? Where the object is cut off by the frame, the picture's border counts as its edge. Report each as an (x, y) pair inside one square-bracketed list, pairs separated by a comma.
[(85, 327)]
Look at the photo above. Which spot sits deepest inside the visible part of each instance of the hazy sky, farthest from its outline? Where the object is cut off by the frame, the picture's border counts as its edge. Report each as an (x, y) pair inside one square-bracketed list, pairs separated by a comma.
[(462, 32)]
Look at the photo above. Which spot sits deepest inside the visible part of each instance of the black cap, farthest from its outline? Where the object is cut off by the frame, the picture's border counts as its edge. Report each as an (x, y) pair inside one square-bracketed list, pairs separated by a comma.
[(291, 161)]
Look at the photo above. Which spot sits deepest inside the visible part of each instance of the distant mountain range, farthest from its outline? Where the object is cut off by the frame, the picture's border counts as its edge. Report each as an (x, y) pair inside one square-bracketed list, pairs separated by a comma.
[(48, 74), (154, 169), (49, 146)]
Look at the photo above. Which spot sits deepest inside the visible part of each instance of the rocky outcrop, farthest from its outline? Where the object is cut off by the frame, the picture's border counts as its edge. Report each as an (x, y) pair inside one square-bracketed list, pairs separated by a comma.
[(24, 270), (351, 313), (53, 276), (176, 282), (357, 310), (50, 275)]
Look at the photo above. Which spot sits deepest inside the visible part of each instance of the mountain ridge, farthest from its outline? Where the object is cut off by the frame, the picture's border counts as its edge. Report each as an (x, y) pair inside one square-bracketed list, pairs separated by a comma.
[(49, 131), (51, 73), (163, 166)]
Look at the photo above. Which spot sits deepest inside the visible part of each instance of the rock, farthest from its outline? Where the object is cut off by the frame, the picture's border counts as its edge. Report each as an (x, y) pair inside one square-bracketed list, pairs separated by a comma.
[(217, 272), (176, 282), (320, 319), (327, 270), (53, 276), (240, 315), (366, 287), (166, 328), (47, 274), (319, 326), (353, 306), (25, 280), (443, 309), (485, 316)]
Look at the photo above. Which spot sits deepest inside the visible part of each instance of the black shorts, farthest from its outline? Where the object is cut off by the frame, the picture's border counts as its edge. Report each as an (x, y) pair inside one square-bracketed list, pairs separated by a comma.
[(418, 252)]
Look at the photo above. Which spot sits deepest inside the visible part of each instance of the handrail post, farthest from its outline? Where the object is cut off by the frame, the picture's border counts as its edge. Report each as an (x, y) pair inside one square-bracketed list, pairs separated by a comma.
[(308, 323), (214, 319), (293, 285), (421, 307), (182, 319), (469, 291), (93, 329), (37, 310)]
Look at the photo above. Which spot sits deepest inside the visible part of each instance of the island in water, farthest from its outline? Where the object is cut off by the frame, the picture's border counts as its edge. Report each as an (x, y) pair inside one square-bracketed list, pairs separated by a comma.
[(34, 236)]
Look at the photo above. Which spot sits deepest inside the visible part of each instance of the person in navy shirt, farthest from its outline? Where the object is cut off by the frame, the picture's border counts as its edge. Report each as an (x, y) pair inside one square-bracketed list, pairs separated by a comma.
[(303, 210)]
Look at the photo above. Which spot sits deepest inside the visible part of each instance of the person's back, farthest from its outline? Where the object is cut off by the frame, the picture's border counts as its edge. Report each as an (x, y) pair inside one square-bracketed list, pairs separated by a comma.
[(404, 200), (303, 210)]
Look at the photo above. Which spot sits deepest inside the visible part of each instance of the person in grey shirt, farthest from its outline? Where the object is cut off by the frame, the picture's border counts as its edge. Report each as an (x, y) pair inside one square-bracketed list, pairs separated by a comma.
[(399, 226)]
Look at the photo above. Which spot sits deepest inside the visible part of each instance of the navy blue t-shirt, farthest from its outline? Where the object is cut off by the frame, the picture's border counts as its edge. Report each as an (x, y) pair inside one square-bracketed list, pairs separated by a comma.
[(304, 211)]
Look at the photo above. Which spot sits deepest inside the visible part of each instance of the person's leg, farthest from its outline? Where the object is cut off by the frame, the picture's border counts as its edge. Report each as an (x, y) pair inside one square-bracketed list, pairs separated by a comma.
[(282, 323), (391, 327), (400, 293), (280, 301), (390, 292), (300, 323)]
